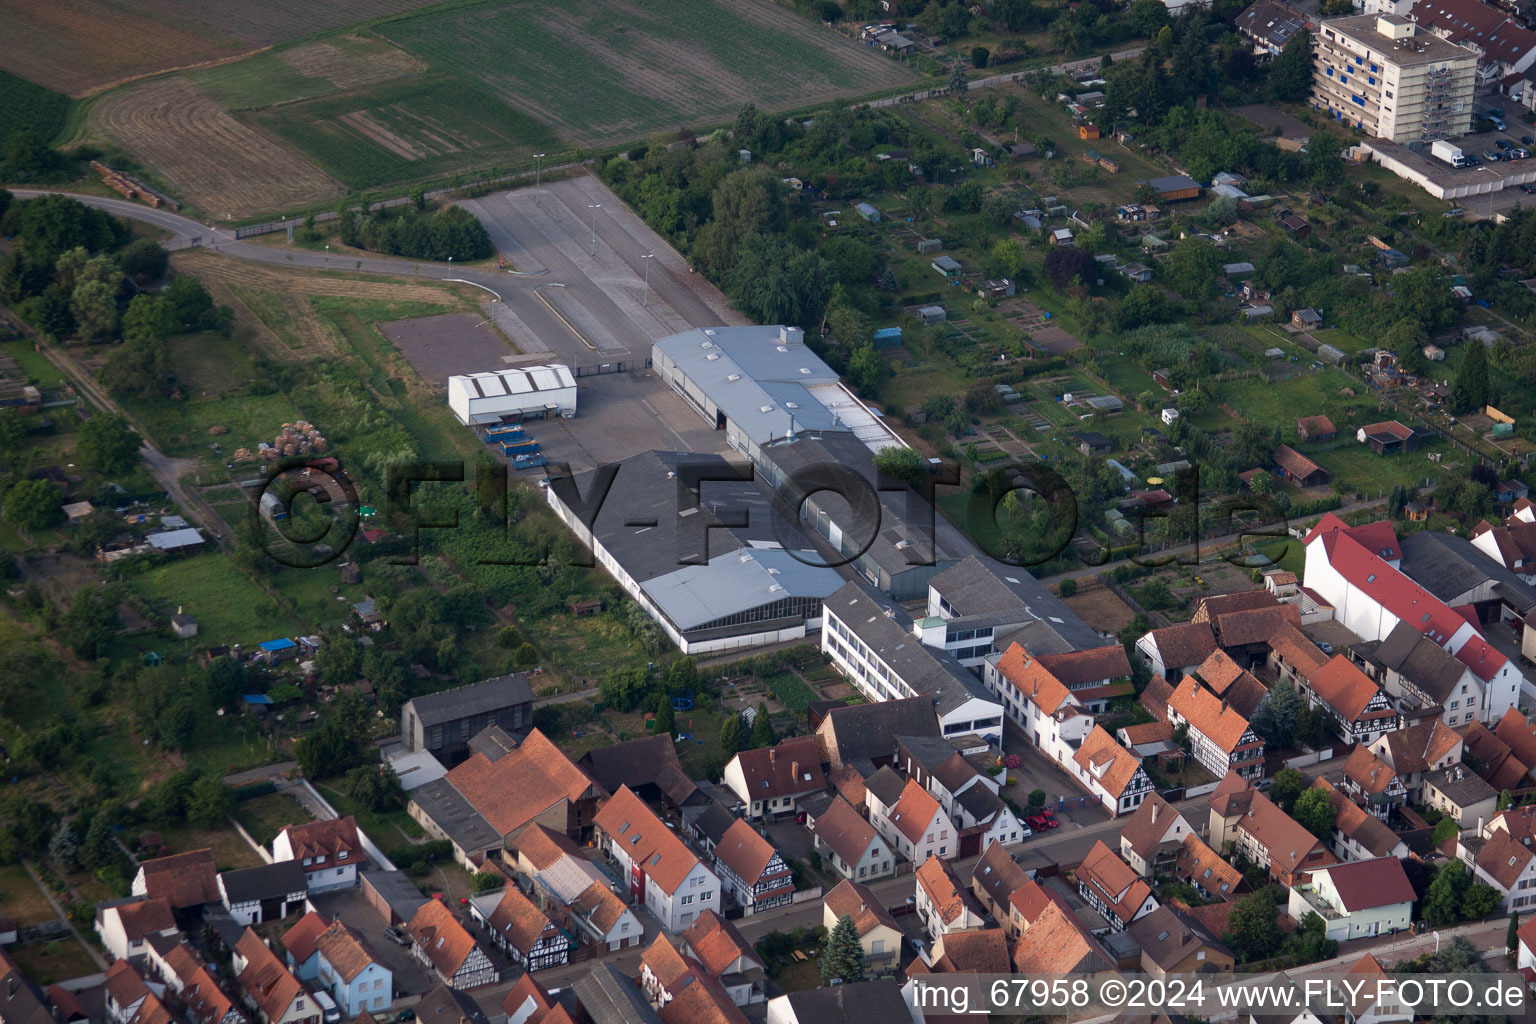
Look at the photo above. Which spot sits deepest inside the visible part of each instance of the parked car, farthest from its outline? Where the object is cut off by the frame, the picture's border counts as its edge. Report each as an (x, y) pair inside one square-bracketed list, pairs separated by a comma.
[(1526, 140), (1504, 144), (1529, 190), (405, 1016), (1491, 155), (1042, 822), (398, 936)]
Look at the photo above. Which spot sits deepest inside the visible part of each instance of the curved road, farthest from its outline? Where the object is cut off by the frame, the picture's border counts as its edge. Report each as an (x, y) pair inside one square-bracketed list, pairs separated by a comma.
[(530, 323)]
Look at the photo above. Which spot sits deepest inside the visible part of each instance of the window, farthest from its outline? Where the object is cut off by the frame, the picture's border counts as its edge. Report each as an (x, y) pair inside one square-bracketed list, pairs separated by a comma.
[(705, 897), (341, 871), (687, 900)]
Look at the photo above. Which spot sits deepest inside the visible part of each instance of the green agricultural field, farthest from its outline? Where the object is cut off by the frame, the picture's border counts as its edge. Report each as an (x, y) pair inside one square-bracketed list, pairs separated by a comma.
[(427, 126), (24, 105), (603, 71)]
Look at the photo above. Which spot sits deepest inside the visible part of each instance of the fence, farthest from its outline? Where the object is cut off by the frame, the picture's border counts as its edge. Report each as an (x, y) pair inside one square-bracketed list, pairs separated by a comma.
[(1314, 757), (614, 367)]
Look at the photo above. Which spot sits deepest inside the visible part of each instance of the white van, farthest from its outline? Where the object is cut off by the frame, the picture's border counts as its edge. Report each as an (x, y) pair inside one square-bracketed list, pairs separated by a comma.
[(329, 1011)]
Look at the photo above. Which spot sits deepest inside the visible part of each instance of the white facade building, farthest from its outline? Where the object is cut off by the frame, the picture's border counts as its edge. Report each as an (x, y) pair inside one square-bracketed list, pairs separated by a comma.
[(520, 392)]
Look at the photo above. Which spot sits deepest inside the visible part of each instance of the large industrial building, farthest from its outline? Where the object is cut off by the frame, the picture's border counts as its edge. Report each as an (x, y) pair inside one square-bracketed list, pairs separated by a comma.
[(761, 384), (709, 585), (1393, 79), (512, 394)]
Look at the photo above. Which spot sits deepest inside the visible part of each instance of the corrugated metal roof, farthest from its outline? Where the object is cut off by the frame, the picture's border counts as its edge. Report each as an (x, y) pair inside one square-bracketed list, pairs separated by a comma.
[(738, 581)]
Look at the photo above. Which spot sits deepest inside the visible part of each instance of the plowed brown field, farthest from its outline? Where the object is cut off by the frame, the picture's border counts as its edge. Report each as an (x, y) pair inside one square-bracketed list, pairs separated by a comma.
[(223, 167)]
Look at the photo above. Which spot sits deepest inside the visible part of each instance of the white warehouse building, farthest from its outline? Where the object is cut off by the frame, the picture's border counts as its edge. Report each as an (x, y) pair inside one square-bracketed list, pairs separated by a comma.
[(521, 392)]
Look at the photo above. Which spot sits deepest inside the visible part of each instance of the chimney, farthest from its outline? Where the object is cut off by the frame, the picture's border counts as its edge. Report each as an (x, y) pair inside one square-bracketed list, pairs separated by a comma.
[(771, 753), (794, 769), (1155, 809)]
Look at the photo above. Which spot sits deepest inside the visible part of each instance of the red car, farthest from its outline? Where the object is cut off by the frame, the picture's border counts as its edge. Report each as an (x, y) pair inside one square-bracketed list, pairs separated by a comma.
[(1042, 822)]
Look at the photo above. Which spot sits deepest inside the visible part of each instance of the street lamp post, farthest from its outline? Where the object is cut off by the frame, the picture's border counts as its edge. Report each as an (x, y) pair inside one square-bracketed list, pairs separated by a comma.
[(538, 166), (647, 258), (594, 207)]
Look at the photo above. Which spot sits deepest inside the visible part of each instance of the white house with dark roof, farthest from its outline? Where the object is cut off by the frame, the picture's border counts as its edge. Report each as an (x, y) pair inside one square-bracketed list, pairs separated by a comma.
[(869, 640), (851, 844), (269, 892), (769, 781), (1356, 900), (912, 822)]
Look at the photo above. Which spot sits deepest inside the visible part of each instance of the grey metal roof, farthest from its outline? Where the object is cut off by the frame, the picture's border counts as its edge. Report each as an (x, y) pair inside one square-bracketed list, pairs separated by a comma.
[(738, 581), (927, 751), (443, 1005), (455, 816), (864, 731), (863, 1001), (980, 802), (717, 817), (268, 881), (900, 544), (651, 531), (929, 670), (1422, 661), (735, 366), (886, 785), (1449, 566), (981, 586), (475, 699), (170, 540), (1461, 785), (398, 891), (608, 997)]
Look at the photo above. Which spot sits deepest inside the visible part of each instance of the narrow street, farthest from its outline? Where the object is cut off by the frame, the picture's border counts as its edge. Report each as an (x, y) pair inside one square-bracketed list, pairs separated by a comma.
[(166, 470)]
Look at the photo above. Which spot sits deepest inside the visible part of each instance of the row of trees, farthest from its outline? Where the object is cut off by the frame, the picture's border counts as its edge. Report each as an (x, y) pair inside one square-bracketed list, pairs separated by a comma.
[(444, 234)]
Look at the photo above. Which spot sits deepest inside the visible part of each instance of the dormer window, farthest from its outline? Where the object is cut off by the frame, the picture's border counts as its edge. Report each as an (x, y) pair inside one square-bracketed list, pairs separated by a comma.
[(342, 855)]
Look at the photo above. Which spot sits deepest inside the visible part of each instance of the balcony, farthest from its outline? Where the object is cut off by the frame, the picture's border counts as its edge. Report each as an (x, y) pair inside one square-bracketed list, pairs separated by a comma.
[(1315, 902)]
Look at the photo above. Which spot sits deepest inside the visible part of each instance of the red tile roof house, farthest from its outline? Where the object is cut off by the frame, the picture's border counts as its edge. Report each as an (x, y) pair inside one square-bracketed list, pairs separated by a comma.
[(186, 880), (520, 929), (444, 946), (128, 999), (329, 850), (1262, 832), (1316, 428), (1050, 714), (728, 957), (1219, 737), (1110, 772), (1299, 469), (943, 904), (770, 780), (1388, 437), (915, 825), (994, 879), (1370, 782), (751, 870), (1112, 888), (1152, 837), (1175, 650), (270, 987), (125, 926), (1360, 711), (1507, 864), (857, 851), (185, 974), (1356, 900), (1370, 596), (660, 870)]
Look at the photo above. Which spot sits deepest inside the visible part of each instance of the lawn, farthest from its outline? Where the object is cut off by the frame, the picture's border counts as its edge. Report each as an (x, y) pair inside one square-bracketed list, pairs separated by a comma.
[(228, 606), (1358, 469), (50, 962), (1281, 403), (799, 975), (264, 816), (32, 362), (1286, 554), (21, 898), (229, 850), (389, 829)]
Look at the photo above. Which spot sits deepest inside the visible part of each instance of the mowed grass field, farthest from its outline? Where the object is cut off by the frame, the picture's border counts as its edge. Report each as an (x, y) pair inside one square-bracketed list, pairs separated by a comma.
[(602, 71)]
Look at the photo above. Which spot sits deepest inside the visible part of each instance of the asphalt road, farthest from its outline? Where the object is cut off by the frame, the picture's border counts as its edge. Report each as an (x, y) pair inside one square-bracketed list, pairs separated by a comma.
[(570, 304)]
